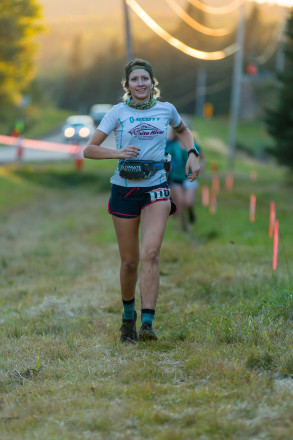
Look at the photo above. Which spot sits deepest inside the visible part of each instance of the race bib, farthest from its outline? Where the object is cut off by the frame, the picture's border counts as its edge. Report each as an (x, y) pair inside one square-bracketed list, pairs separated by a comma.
[(159, 194)]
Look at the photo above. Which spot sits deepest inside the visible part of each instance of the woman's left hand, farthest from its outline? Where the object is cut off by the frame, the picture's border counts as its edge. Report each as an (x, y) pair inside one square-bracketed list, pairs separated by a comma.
[(193, 165)]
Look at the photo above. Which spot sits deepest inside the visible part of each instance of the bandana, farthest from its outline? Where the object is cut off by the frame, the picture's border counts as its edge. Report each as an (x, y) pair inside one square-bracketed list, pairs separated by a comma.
[(144, 106)]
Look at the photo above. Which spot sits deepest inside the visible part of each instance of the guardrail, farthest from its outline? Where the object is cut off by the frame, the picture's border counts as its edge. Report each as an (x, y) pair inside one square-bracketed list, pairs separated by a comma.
[(20, 143)]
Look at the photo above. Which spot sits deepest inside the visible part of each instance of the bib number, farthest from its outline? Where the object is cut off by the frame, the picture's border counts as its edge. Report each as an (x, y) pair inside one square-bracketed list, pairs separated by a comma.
[(159, 194)]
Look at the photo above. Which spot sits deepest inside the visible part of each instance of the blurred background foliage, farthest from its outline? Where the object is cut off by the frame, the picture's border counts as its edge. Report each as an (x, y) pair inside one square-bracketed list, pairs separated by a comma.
[(19, 24), (83, 81)]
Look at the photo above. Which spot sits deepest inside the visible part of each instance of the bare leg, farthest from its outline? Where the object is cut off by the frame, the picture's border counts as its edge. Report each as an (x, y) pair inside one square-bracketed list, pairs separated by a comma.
[(153, 223), (189, 197), (189, 203), (128, 242)]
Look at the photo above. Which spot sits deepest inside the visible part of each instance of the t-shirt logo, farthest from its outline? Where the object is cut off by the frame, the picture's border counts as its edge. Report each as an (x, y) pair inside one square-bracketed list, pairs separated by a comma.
[(145, 131)]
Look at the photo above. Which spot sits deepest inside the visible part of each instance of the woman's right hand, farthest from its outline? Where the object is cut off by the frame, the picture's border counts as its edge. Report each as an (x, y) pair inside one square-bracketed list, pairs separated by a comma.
[(128, 152)]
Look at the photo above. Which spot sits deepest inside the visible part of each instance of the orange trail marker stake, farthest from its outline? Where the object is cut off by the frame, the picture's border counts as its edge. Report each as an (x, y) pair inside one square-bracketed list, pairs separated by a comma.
[(276, 245), (19, 149), (213, 206), (252, 208), (205, 196), (229, 181), (272, 218), (253, 175), (79, 161), (215, 184)]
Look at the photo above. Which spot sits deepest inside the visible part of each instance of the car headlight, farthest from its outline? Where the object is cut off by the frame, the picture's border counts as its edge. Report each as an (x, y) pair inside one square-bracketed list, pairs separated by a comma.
[(84, 132), (69, 132)]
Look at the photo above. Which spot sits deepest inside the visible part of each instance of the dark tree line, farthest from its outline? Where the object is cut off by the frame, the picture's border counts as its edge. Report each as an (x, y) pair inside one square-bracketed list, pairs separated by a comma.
[(280, 120)]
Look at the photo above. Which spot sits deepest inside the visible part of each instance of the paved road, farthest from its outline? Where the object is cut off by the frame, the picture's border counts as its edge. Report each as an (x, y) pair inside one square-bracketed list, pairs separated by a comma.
[(9, 153)]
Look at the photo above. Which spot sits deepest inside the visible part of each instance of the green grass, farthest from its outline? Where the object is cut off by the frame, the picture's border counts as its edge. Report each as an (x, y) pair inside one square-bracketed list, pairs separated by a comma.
[(223, 365), (44, 120), (252, 136), (39, 121)]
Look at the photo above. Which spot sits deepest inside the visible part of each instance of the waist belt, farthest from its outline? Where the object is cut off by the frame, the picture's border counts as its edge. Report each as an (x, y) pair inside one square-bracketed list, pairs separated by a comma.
[(138, 169)]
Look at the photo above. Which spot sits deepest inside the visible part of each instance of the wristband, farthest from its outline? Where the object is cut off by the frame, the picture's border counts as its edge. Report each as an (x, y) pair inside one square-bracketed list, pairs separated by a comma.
[(194, 151)]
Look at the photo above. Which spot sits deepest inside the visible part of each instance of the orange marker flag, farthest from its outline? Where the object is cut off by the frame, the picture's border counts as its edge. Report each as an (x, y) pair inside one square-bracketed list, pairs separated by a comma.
[(216, 184), (229, 181), (276, 245), (213, 206), (205, 196), (272, 218), (252, 208)]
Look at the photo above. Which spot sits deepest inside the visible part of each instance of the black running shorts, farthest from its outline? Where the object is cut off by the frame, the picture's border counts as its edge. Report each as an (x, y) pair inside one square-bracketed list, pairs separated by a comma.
[(128, 202)]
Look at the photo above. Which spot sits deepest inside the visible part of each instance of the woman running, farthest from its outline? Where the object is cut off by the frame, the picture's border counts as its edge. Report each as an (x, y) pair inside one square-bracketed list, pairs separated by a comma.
[(140, 197)]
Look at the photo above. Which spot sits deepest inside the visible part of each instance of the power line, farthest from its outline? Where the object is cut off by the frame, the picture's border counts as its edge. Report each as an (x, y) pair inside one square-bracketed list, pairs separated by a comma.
[(226, 9), (213, 88), (217, 55), (271, 47), (220, 32), (218, 87)]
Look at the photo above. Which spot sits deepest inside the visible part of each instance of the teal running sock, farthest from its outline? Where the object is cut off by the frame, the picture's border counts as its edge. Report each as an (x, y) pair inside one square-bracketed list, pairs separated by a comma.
[(147, 315), (128, 310)]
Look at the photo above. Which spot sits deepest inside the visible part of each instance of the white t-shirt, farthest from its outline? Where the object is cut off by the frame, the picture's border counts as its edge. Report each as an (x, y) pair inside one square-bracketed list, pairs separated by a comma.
[(146, 129)]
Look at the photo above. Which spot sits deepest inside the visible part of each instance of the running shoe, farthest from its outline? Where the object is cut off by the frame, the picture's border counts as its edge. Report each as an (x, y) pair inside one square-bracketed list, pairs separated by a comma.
[(128, 330), (146, 332)]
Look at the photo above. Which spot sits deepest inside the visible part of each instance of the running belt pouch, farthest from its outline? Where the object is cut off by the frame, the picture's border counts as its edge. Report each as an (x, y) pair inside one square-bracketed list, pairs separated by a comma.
[(136, 170)]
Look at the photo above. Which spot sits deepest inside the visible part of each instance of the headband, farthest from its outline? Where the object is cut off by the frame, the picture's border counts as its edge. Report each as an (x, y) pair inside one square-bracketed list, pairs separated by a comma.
[(142, 65)]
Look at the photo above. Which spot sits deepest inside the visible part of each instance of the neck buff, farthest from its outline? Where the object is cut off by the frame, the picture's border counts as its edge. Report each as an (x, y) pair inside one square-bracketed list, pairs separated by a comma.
[(148, 104)]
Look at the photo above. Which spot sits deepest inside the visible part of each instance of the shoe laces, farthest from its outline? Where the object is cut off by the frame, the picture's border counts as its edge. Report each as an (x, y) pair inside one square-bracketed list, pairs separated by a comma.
[(146, 326)]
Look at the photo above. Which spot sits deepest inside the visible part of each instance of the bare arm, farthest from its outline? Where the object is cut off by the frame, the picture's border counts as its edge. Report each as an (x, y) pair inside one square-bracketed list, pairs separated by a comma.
[(185, 136), (192, 163), (93, 150)]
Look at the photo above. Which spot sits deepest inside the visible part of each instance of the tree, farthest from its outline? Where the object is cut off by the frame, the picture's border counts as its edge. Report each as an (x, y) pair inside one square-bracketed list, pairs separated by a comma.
[(280, 120), (18, 26)]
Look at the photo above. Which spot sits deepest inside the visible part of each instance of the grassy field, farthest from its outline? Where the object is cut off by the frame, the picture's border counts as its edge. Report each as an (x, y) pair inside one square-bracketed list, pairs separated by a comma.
[(252, 136), (39, 121), (223, 365)]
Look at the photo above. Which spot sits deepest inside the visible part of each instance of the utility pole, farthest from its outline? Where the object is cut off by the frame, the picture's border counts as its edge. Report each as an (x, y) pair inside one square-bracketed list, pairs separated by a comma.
[(280, 57), (200, 91), (128, 39), (236, 87)]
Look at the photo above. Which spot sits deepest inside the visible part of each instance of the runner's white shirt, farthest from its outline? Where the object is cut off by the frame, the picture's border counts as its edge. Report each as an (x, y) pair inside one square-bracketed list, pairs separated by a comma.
[(146, 129)]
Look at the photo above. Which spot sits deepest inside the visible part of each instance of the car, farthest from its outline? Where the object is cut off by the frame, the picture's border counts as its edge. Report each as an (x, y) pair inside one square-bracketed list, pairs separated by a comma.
[(98, 111), (78, 128)]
